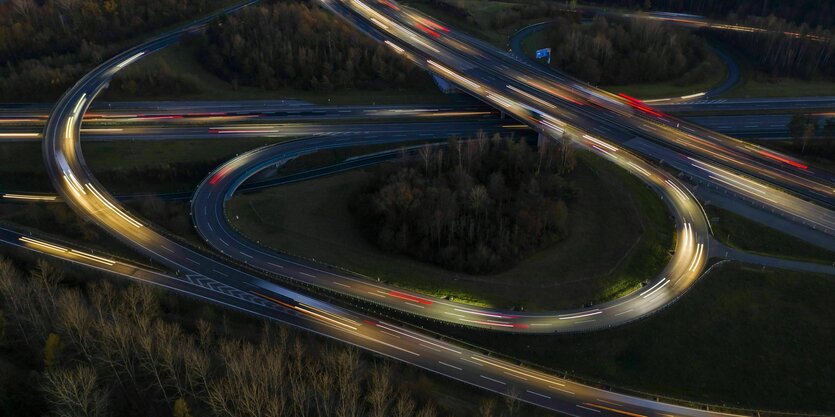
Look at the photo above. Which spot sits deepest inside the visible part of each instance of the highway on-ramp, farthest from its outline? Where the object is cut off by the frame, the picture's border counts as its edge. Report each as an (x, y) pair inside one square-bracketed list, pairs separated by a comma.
[(682, 271), (79, 188), (560, 106)]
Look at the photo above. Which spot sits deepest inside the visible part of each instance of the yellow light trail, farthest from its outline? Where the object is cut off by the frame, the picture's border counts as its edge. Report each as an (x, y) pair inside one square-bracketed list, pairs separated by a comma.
[(30, 197)]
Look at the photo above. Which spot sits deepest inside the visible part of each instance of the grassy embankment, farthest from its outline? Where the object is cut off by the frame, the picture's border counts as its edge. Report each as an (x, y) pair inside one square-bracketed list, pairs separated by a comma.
[(116, 163), (754, 84), (741, 337), (744, 234), (620, 234)]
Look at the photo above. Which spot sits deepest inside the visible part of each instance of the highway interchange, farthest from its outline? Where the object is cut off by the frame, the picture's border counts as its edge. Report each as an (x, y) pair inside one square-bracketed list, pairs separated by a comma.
[(619, 129)]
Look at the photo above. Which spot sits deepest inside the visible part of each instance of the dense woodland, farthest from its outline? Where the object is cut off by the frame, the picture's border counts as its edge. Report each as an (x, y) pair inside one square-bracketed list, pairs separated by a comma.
[(477, 206), (298, 44), (813, 136), (46, 46), (72, 347), (622, 52)]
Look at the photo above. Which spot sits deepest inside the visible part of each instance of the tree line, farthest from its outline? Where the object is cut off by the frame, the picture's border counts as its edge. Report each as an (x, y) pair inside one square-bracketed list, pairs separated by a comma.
[(777, 54), (813, 12), (90, 348), (477, 206), (503, 18), (622, 52), (298, 44), (45, 46)]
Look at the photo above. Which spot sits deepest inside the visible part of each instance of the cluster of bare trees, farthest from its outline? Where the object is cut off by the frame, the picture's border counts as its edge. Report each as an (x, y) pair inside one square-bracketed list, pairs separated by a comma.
[(296, 43), (101, 350), (624, 52), (478, 205), (46, 45), (813, 135)]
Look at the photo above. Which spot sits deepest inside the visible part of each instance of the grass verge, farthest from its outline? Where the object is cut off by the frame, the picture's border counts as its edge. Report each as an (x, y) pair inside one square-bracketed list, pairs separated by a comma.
[(741, 233), (754, 84), (742, 337), (758, 86)]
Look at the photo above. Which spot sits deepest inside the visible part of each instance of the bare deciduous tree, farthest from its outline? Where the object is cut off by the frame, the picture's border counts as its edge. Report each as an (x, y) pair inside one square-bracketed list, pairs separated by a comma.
[(511, 401), (487, 407), (75, 393), (379, 390), (404, 407)]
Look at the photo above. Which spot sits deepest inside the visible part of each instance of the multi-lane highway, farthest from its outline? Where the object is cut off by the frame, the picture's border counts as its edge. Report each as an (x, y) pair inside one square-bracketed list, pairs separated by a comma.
[(753, 127), (555, 104), (685, 266), (79, 188), (450, 56), (427, 129)]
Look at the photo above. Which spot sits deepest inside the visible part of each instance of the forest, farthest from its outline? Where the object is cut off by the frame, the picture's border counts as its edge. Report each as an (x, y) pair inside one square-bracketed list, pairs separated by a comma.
[(615, 52), (46, 46), (477, 206), (297, 44), (73, 346)]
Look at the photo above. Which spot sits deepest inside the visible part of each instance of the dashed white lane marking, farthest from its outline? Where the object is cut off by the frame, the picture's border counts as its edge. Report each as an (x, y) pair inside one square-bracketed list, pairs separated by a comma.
[(390, 334), (538, 394), (472, 362), (494, 380), (560, 389), (428, 347), (451, 366), (590, 409)]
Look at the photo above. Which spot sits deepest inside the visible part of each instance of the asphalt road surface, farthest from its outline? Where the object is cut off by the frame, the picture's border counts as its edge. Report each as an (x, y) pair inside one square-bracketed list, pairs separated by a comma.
[(79, 188), (85, 195), (560, 106), (684, 268)]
